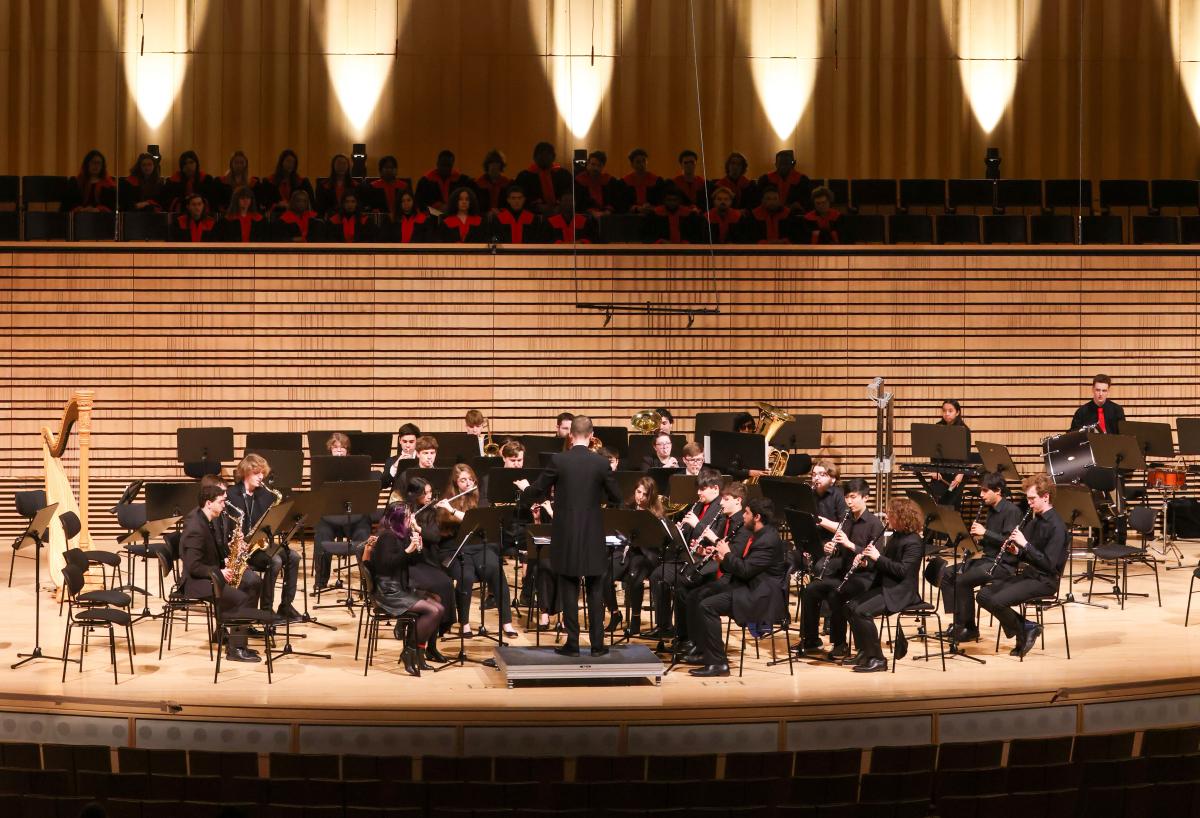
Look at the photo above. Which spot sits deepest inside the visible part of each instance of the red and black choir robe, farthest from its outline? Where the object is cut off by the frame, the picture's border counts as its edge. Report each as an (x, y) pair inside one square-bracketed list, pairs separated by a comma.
[(581, 229), (767, 227), (469, 230), (815, 229), (131, 191), (80, 193), (383, 197), (517, 227), (693, 191), (729, 227), (350, 230), (417, 227), (544, 187), (598, 194), (177, 189), (743, 188), (434, 192), (794, 189), (304, 226), (641, 189), (223, 187), (248, 229), (329, 194), (491, 193), (680, 226), (182, 228), (274, 193)]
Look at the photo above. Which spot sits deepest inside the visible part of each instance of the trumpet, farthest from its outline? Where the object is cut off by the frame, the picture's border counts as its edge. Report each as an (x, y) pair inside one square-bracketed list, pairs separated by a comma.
[(825, 564), (1007, 540)]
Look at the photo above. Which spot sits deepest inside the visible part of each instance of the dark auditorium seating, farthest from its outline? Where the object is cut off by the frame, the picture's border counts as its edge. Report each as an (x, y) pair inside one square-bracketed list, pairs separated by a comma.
[(970, 193), (1171, 741), (300, 765), (74, 757), (1029, 751), (1106, 229), (10, 190), (91, 226), (1103, 747), (969, 755), (43, 190), (222, 764), (681, 768), (157, 762), (916, 758), (1124, 193), (1019, 193), (1155, 230), (621, 229), (1189, 229), (1052, 228), (872, 193), (1074, 194), (10, 225), (957, 229), (144, 226), (922, 193), (840, 189), (866, 228), (909, 228), (1007, 229), (1179, 193), (45, 225)]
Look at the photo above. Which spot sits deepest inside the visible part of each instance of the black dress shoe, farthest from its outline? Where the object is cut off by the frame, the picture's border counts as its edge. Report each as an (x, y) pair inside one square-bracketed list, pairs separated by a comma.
[(614, 622), (660, 633), (875, 665), (809, 649), (489, 602), (434, 655), (684, 646), (1030, 640), (857, 659), (600, 651), (409, 658), (839, 652), (693, 657), (709, 671), (289, 614), (241, 655), (967, 635), (566, 650)]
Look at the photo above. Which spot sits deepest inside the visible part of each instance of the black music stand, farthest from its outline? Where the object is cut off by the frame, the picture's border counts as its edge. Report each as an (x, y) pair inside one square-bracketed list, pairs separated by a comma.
[(537, 540), (614, 438), (436, 477), (483, 465), (376, 445), (164, 500), (1188, 430), (738, 451), (662, 478), (457, 447), (303, 505), (287, 467), (806, 537), (626, 482), (639, 529), (683, 489), (678, 547), (801, 432), (789, 492), (203, 450), (996, 458), (939, 441), (146, 532), (536, 444), (500, 488), (36, 533), (346, 497), (1154, 439), (333, 468), (709, 422), (482, 523), (1077, 507), (1117, 452), (273, 528), (274, 441)]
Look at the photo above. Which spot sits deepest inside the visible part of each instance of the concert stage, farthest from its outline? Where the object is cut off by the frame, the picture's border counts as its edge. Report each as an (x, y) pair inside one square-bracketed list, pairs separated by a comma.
[(1129, 669)]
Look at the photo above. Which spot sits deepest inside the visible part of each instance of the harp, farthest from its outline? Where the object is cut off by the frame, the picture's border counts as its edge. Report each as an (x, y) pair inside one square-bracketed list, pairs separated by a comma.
[(66, 463)]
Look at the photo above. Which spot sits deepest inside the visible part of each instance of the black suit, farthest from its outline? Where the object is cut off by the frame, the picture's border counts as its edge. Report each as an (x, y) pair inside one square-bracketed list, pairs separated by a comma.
[(1039, 572), (582, 481), (751, 589), (825, 588), (737, 535), (204, 548), (285, 561), (1089, 415), (664, 580), (893, 589), (958, 582)]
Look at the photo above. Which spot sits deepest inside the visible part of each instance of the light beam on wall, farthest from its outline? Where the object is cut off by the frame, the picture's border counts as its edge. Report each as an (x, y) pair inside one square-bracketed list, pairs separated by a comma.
[(581, 40), (1184, 25), (156, 57), (359, 37), (784, 45), (989, 38)]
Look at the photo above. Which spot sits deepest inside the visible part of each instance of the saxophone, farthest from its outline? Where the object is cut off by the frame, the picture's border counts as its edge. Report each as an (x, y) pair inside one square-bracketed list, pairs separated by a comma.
[(239, 539), (235, 563)]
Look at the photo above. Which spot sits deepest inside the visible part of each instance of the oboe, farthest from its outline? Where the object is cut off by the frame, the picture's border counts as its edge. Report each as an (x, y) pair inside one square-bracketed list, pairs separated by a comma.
[(1007, 540), (825, 564), (858, 559)]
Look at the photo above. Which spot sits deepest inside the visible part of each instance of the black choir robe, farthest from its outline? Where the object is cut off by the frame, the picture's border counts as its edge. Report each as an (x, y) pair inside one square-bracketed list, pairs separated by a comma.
[(644, 189), (79, 194), (491, 193), (177, 189), (251, 228), (291, 225), (765, 227), (276, 193), (329, 195), (356, 230), (471, 230), (693, 191), (544, 187), (518, 227), (680, 226), (434, 191), (599, 194), (416, 228), (794, 189), (131, 192), (182, 228), (581, 229), (727, 228), (222, 188), (743, 188), (382, 197), (831, 229)]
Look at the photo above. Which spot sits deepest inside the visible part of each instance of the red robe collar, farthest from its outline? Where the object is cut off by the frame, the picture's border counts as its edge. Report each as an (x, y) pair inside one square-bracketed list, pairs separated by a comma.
[(595, 186), (409, 223), (246, 223), (463, 226), (494, 190), (784, 184), (443, 184), (390, 189), (567, 231), (640, 184), (546, 177), (819, 225), (771, 220), (673, 220), (195, 229), (90, 191), (300, 220), (693, 189), (732, 217), (348, 226), (516, 224)]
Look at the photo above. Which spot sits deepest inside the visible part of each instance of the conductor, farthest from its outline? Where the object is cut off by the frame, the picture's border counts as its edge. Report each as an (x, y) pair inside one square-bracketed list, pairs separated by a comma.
[(582, 480)]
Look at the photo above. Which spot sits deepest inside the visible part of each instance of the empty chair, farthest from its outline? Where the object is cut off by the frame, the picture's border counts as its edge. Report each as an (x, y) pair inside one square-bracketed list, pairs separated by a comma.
[(969, 755), (10, 190), (155, 762), (1019, 193), (872, 193), (28, 504), (43, 190), (10, 225), (1074, 194), (895, 787), (909, 228), (916, 758), (76, 757), (1170, 741), (957, 229), (1124, 193), (1174, 193), (1101, 229), (1009, 229), (1155, 230), (922, 193), (45, 226), (758, 765), (1102, 747), (143, 226), (840, 189), (91, 226), (823, 789), (1052, 228), (300, 765), (970, 193), (610, 768), (1189, 229), (222, 764), (21, 755), (863, 228), (529, 769), (828, 762), (681, 768)]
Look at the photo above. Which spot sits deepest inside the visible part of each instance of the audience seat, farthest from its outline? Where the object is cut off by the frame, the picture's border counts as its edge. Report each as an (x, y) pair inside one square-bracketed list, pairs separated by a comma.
[(45, 225), (144, 226), (1019, 193), (866, 228), (1124, 193), (1052, 228), (1107, 229), (908, 228), (1073, 194), (1008, 229), (91, 226), (957, 229), (872, 193), (1155, 230), (1179, 193), (970, 193), (930, 193)]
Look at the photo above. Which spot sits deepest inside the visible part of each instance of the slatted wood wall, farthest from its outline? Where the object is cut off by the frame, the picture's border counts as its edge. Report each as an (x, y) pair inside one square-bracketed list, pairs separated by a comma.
[(319, 338)]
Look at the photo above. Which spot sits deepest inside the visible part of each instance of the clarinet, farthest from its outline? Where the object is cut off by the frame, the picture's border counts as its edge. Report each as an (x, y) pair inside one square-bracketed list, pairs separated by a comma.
[(707, 558), (1008, 539), (825, 564), (858, 558)]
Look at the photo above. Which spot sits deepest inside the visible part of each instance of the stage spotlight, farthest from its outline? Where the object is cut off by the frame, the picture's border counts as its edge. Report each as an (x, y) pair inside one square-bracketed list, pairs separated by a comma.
[(358, 160), (580, 160), (784, 47), (579, 39), (154, 151), (154, 71), (989, 39), (992, 163)]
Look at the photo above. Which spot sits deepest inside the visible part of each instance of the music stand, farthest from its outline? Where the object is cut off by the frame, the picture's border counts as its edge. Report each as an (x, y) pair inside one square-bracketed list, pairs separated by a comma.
[(483, 465), (457, 447), (1077, 507), (483, 523), (939, 441), (735, 451), (287, 466), (614, 438), (333, 468), (806, 534), (150, 530), (662, 478), (1117, 452), (203, 450), (1154, 439), (500, 488), (346, 497), (537, 539), (1189, 435), (789, 492), (640, 529), (536, 444), (436, 477), (376, 445), (274, 441), (545, 459), (626, 482), (683, 489), (709, 422), (801, 432), (272, 527), (996, 458), (303, 505), (36, 532), (172, 499)]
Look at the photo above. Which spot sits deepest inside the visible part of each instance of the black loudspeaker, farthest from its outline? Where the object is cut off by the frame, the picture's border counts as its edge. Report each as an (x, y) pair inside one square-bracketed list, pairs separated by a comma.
[(1183, 519)]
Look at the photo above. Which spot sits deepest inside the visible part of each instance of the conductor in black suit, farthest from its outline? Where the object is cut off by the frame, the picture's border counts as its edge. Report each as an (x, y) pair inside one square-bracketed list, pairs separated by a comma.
[(582, 481)]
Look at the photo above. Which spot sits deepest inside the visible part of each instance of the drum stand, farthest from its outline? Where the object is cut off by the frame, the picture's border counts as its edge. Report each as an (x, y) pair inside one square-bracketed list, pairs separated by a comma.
[(1168, 544)]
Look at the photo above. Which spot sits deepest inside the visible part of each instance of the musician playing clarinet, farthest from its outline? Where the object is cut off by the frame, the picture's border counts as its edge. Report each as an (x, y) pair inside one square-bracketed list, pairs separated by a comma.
[(997, 518), (1041, 546), (893, 569), (857, 529)]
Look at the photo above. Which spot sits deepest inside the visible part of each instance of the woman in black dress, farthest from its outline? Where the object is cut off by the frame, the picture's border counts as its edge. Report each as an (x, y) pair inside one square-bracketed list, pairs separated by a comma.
[(947, 489)]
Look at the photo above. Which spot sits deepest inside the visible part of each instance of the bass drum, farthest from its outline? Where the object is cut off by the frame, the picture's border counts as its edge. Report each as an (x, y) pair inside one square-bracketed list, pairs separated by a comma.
[(1068, 457)]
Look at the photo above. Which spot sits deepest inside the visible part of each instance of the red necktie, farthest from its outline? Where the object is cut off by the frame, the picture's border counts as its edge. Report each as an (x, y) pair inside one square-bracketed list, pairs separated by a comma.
[(745, 551), (1100, 416)]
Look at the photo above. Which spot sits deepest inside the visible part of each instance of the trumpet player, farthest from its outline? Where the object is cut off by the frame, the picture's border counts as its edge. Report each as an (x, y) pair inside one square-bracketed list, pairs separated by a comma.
[(204, 545), (253, 498), (990, 529), (857, 529), (1041, 547)]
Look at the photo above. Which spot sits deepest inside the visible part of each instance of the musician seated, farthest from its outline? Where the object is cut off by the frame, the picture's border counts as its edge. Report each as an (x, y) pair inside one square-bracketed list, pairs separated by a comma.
[(1100, 412), (893, 587), (474, 423), (427, 449), (351, 528), (392, 556), (744, 423), (958, 582), (750, 588), (946, 489), (428, 574), (249, 497), (204, 546), (1041, 546), (661, 457), (859, 527), (693, 459), (631, 564), (694, 585), (407, 455)]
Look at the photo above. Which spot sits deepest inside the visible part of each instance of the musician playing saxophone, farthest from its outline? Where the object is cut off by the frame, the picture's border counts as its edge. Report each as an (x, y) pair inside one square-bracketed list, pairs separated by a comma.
[(253, 499), (204, 545)]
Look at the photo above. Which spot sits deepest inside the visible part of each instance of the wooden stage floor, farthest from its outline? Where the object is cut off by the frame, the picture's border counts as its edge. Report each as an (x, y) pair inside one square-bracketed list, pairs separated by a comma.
[(1143, 649)]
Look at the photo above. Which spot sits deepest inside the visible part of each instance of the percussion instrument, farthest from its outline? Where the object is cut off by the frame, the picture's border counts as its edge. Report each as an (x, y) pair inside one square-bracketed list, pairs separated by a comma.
[(1166, 479)]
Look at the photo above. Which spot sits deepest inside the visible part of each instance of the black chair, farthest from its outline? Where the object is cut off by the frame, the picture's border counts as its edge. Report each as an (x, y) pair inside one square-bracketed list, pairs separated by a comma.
[(244, 618), (144, 226), (10, 190), (1189, 229), (872, 193), (1040, 606), (93, 556), (620, 229), (1073, 194), (1039, 751), (1141, 520), (28, 503), (909, 228), (957, 229), (1103, 747), (10, 225), (45, 225), (866, 228), (921, 612), (903, 759), (1191, 590), (90, 617), (840, 189), (1019, 193), (176, 604), (152, 762), (1124, 193), (91, 226), (1178, 193), (772, 633), (370, 621), (107, 594), (1107, 229), (970, 193), (1051, 228), (1155, 230), (1010, 229), (43, 190), (922, 193)]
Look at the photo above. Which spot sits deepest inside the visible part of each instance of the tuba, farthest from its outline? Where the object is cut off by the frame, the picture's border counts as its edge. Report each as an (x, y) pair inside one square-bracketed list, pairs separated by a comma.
[(646, 421), (770, 420)]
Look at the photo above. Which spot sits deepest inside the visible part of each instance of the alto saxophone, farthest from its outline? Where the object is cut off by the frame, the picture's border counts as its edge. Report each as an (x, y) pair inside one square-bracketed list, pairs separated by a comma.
[(239, 554)]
